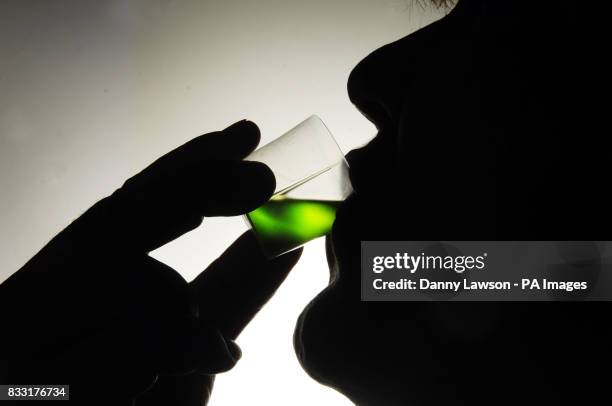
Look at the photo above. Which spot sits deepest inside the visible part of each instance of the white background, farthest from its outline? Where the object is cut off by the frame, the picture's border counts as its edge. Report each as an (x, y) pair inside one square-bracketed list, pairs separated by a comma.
[(93, 91)]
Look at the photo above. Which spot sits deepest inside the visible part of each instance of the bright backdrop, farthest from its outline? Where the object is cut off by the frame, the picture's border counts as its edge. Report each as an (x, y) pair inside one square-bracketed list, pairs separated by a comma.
[(92, 91)]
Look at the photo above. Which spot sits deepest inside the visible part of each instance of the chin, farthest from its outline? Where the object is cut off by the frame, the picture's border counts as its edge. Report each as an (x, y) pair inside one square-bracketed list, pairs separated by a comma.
[(333, 343), (313, 340), (324, 340)]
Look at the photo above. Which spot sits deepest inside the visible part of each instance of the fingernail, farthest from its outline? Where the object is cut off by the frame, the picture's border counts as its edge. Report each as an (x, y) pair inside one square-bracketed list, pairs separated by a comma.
[(234, 349), (241, 123), (217, 355)]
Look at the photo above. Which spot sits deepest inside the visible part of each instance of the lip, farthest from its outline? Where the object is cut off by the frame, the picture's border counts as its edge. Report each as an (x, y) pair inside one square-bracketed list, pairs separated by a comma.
[(350, 160), (365, 162), (334, 250), (355, 161), (374, 111), (341, 213)]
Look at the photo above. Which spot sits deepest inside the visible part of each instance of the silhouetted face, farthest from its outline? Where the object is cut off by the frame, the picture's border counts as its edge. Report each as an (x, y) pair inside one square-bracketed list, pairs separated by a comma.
[(477, 140)]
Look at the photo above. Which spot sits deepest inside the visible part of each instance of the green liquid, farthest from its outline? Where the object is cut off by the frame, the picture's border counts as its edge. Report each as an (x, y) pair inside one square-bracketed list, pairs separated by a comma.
[(285, 223)]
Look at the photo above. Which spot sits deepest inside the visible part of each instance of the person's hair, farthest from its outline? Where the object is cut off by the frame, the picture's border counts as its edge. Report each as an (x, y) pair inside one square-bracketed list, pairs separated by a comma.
[(439, 3)]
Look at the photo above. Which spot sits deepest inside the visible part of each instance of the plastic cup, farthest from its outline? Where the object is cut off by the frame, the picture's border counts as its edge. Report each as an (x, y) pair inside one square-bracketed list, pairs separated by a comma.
[(311, 181)]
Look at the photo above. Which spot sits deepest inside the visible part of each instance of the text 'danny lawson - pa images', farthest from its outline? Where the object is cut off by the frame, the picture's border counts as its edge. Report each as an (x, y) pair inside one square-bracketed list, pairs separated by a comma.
[(486, 270)]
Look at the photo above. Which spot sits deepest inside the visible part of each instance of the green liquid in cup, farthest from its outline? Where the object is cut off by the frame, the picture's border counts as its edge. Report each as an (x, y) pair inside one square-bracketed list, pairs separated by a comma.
[(285, 223)]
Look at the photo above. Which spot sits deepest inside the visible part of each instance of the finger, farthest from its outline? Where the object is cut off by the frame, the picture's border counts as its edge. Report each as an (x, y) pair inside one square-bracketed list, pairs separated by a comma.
[(188, 390), (103, 357), (184, 348), (157, 318), (189, 363), (173, 205), (142, 217), (233, 143), (202, 178), (237, 285), (169, 198), (133, 359), (228, 189)]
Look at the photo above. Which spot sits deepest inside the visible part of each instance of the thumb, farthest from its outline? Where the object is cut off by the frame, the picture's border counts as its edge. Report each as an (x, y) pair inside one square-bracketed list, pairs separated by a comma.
[(237, 285)]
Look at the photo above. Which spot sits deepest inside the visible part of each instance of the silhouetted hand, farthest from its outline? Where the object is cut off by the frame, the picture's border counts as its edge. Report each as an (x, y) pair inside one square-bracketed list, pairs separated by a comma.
[(92, 309)]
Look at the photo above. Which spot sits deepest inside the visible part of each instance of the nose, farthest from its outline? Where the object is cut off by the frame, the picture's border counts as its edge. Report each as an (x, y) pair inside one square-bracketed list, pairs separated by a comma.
[(367, 88), (377, 85)]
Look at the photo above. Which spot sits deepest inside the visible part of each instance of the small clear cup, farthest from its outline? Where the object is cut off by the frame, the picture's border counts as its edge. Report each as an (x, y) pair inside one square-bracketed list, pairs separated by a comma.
[(311, 181)]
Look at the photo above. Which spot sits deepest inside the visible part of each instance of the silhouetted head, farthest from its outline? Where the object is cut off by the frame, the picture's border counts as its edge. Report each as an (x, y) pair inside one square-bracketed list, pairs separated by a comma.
[(485, 132)]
